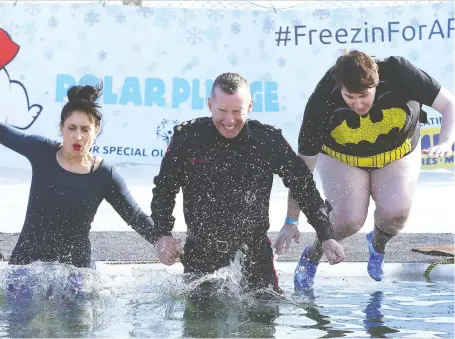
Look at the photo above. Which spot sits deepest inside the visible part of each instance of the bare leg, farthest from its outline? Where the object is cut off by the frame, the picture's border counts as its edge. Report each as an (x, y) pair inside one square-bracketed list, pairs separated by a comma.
[(392, 189), (347, 188)]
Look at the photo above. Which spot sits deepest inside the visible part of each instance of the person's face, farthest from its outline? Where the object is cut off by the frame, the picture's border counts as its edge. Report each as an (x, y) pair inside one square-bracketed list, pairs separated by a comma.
[(79, 132), (230, 111), (360, 102)]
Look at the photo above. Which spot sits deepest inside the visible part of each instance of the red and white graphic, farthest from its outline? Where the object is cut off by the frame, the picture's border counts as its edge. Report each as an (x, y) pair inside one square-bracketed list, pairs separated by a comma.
[(15, 108)]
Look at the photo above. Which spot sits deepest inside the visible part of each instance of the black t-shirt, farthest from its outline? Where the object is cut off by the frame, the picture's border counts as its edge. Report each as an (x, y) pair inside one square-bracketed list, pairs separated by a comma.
[(329, 123)]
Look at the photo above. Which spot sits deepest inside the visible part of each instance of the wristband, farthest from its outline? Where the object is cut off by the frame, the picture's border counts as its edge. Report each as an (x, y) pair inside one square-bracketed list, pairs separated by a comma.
[(291, 221)]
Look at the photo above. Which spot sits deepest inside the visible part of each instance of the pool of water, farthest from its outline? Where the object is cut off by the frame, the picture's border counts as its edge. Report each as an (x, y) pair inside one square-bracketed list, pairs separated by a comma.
[(149, 301)]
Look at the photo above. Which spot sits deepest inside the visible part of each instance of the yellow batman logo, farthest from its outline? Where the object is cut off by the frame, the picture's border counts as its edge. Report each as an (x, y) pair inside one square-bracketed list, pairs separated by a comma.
[(368, 130)]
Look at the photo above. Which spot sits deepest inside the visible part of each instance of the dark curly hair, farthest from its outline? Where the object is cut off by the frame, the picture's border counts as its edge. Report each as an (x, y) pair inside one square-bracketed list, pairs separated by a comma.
[(83, 98)]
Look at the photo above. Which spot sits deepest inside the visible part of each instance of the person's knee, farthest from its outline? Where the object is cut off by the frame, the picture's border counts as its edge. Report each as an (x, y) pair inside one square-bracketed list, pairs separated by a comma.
[(392, 218), (348, 225)]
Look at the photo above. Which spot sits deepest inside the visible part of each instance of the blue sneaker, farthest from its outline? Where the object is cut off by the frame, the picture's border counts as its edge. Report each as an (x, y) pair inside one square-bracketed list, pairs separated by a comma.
[(376, 261), (304, 272)]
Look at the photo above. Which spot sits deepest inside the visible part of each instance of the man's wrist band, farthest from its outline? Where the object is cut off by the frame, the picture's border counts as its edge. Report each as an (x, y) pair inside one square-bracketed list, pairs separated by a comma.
[(291, 221)]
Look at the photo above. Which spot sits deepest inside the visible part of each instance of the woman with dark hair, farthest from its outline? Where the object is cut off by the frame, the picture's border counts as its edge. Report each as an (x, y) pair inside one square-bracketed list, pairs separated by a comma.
[(68, 185)]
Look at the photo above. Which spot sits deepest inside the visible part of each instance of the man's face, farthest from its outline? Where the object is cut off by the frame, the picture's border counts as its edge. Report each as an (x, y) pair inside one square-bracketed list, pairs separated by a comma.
[(230, 111), (360, 102)]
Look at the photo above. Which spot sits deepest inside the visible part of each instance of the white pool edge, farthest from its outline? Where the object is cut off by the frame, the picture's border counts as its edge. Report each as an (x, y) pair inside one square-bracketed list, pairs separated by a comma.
[(349, 269)]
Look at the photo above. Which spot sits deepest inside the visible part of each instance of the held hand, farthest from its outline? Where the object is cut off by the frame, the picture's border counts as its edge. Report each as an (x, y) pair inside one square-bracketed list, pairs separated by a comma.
[(169, 249), (287, 233), (438, 151), (334, 251)]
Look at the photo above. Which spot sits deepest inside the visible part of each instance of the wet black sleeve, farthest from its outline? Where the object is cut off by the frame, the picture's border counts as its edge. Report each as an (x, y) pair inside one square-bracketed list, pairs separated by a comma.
[(123, 202), (414, 83), (167, 186), (314, 130), (299, 179), (24, 144)]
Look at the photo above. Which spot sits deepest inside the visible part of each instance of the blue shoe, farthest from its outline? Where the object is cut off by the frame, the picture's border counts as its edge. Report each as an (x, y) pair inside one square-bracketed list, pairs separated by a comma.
[(304, 272), (376, 261)]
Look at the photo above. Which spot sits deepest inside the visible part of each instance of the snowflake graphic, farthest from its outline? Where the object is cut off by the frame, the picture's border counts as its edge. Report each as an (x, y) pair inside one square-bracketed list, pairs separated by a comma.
[(213, 34), (48, 53), (321, 14), (261, 43), (32, 9), (300, 74), (120, 18), (193, 36), (92, 18), (427, 45), (264, 56), (189, 14), (288, 16), (393, 12), (437, 6), (316, 51), (145, 12), (13, 28), (448, 48), (233, 60), (448, 69), (52, 22), (214, 46), (235, 28), (269, 25), (30, 28), (394, 43), (152, 66), (191, 65), (365, 12), (137, 47), (84, 69), (55, 8), (303, 96), (164, 17), (416, 8), (415, 22), (246, 52), (339, 17), (102, 55), (297, 22), (266, 77), (281, 62), (215, 15), (413, 55), (81, 36)]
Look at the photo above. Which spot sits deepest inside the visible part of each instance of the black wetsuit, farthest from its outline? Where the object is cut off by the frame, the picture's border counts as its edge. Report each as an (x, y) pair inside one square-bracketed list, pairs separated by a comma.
[(226, 186), (62, 204)]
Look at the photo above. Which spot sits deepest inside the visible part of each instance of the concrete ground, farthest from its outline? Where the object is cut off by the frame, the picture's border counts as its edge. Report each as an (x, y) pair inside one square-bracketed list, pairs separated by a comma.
[(129, 246)]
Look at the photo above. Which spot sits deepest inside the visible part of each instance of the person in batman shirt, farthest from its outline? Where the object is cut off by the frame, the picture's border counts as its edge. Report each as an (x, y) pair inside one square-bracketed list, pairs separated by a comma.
[(362, 127)]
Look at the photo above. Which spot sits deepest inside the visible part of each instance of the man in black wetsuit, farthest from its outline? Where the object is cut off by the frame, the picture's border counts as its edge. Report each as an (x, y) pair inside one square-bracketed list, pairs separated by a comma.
[(225, 166)]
